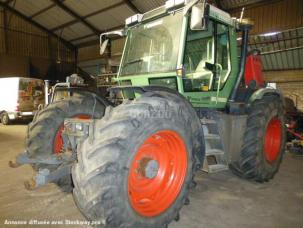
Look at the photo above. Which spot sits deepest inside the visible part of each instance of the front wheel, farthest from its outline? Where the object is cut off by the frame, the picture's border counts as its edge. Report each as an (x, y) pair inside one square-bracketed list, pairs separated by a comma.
[(264, 140), (138, 170), (44, 136), (5, 119)]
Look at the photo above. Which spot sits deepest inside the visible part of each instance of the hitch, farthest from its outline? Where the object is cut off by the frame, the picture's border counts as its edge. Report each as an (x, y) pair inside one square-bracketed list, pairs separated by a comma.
[(44, 176), (23, 159), (75, 131)]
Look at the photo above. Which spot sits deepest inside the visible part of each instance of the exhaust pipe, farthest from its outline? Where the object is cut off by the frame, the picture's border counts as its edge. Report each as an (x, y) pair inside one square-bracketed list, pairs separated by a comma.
[(245, 28)]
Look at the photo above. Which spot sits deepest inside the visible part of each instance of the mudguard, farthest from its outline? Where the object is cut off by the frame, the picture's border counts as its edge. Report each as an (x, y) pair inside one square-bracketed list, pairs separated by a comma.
[(260, 93)]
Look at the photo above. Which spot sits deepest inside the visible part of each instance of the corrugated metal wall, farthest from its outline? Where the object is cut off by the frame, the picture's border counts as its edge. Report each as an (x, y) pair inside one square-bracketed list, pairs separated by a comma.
[(89, 53), (117, 46), (28, 51), (293, 90), (2, 44), (93, 52), (24, 39), (274, 16), (89, 58)]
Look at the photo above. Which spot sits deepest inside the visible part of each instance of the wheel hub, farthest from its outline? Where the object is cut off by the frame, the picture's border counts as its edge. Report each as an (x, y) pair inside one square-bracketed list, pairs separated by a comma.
[(148, 168), (157, 173), (273, 140), (5, 118)]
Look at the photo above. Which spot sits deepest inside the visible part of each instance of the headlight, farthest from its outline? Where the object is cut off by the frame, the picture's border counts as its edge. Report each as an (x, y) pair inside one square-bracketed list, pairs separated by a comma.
[(137, 18), (170, 4)]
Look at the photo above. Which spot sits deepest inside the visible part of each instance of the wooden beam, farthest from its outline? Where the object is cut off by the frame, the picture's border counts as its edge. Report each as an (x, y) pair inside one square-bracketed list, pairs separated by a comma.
[(219, 4), (93, 42), (77, 16), (88, 15), (132, 6), (19, 14), (104, 9), (82, 37), (252, 5), (284, 76), (92, 34), (42, 11), (88, 43), (62, 26), (8, 1)]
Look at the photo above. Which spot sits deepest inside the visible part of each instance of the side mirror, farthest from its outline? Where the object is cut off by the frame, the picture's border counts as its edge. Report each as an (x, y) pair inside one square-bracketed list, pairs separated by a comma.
[(103, 46), (198, 21)]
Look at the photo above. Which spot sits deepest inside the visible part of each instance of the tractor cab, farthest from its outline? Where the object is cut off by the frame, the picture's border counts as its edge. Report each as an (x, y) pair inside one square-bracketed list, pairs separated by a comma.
[(191, 47)]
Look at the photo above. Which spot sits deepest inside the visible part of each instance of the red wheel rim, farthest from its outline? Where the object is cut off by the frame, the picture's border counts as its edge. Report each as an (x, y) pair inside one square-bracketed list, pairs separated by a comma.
[(273, 139), (58, 142), (157, 173)]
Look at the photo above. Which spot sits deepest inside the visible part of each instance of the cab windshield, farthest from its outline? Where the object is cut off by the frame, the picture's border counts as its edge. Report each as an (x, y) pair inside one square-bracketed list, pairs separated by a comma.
[(153, 47)]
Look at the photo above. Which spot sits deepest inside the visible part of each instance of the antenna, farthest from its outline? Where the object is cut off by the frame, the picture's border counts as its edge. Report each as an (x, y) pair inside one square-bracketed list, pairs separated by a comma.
[(242, 14)]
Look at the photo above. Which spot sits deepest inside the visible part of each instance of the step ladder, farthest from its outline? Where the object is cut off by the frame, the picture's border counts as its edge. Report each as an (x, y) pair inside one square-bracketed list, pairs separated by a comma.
[(215, 157)]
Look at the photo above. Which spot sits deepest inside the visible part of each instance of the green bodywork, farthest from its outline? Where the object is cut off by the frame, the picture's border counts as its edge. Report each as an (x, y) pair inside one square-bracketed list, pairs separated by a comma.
[(212, 97)]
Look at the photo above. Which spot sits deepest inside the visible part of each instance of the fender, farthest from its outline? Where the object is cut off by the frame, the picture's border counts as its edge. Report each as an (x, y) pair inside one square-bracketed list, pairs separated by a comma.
[(199, 144), (260, 93), (86, 91)]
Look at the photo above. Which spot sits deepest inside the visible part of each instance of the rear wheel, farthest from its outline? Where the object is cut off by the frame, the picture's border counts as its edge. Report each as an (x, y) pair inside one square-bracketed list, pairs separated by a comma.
[(264, 140), (138, 170), (5, 119), (44, 138)]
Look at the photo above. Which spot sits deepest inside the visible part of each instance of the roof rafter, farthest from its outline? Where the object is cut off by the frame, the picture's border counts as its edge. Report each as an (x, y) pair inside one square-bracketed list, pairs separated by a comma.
[(219, 3), (43, 10), (14, 11), (94, 42), (92, 34), (8, 1), (88, 15), (77, 16), (132, 6), (83, 37), (252, 5)]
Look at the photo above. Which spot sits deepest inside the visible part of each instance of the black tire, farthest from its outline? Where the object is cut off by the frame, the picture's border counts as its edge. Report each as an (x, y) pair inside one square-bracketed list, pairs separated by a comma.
[(41, 132), (253, 163), (194, 124), (101, 174), (5, 119)]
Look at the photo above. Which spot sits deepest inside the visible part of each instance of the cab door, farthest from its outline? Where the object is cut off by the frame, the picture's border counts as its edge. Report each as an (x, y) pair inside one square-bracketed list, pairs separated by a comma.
[(207, 65)]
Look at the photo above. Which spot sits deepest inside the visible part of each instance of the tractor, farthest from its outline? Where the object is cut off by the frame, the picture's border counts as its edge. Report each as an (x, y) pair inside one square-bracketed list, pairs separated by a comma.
[(189, 103)]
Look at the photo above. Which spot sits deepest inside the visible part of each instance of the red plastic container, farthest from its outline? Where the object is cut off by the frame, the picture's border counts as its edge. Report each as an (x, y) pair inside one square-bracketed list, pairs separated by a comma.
[(253, 71)]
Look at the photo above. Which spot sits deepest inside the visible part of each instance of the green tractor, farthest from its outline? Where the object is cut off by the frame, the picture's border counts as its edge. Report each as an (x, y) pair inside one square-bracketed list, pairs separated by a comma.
[(189, 103)]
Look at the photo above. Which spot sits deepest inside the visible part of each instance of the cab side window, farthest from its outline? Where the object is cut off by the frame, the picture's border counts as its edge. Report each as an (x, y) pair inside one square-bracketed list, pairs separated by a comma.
[(198, 51), (206, 59), (223, 65)]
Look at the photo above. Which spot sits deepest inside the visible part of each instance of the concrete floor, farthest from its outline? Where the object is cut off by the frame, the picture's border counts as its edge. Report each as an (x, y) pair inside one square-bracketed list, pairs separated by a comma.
[(219, 200)]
